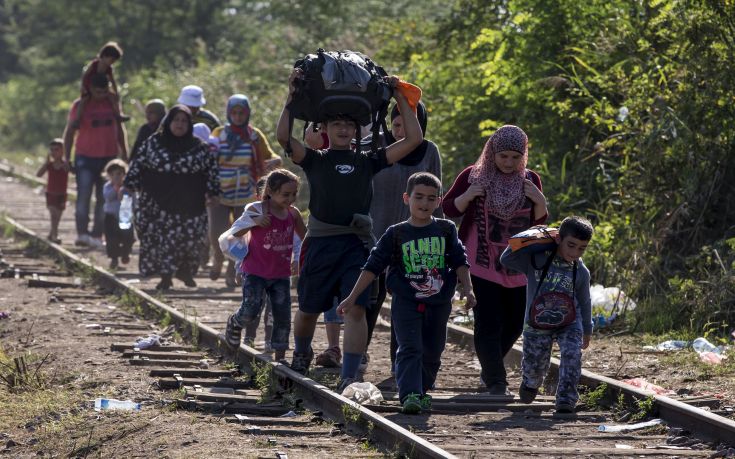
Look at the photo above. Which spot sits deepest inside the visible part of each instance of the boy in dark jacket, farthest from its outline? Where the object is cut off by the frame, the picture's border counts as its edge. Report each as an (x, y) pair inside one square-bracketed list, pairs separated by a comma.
[(425, 258)]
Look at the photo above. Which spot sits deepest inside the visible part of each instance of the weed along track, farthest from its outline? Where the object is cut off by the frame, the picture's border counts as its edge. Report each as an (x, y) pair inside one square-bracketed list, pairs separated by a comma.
[(269, 410)]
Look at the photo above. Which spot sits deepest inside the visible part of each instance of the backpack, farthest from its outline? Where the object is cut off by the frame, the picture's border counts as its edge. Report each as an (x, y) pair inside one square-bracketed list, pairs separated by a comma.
[(341, 83), (552, 310)]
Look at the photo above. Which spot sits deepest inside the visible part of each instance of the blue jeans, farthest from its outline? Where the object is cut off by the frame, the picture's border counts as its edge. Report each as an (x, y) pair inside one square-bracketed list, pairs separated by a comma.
[(254, 289), (331, 316), (89, 176), (421, 339)]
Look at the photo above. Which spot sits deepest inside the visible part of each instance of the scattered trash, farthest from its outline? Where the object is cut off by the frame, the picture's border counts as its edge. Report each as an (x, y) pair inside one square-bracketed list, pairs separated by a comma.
[(363, 392), (290, 414), (463, 319), (204, 364), (611, 299), (670, 345), (708, 352), (645, 385), (112, 404), (622, 446), (241, 417), (628, 427), (4, 315), (150, 341)]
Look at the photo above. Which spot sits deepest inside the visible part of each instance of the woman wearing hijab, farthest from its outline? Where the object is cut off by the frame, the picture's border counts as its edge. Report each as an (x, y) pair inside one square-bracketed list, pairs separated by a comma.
[(155, 110), (243, 156), (176, 177), (387, 207), (497, 197)]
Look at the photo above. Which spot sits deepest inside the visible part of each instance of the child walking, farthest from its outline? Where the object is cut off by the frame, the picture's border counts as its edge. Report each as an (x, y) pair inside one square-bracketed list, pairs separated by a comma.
[(119, 241), (558, 308), (58, 177), (108, 55), (424, 257), (267, 267)]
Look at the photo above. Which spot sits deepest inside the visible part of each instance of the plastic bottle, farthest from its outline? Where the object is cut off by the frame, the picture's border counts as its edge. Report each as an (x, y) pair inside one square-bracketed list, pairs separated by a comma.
[(112, 404), (702, 345), (672, 345), (125, 215)]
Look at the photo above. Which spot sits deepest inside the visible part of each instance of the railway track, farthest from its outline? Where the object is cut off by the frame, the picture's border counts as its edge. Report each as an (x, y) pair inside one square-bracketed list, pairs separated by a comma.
[(464, 422)]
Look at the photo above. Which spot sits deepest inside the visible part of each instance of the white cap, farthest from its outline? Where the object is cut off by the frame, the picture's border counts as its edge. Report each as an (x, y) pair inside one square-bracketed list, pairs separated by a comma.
[(192, 96), (202, 131)]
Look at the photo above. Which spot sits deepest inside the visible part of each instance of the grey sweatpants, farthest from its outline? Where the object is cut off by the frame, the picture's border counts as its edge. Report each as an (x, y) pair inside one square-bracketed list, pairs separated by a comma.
[(536, 361)]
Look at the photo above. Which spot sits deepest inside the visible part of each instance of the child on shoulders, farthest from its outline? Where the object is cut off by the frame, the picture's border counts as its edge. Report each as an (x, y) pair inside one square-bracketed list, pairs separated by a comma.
[(424, 257), (58, 177), (110, 53), (558, 308)]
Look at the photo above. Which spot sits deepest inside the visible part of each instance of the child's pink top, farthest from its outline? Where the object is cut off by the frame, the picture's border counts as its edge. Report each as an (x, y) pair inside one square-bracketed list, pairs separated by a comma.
[(269, 250)]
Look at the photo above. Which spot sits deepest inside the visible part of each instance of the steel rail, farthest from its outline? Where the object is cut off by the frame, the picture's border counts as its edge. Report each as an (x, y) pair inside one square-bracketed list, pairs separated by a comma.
[(356, 418)]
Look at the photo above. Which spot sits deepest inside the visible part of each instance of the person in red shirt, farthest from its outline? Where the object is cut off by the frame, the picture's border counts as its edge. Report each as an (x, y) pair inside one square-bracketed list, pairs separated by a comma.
[(57, 169)]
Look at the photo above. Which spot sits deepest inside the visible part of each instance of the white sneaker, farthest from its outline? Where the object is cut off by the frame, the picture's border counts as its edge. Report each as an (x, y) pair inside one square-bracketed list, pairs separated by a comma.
[(96, 243), (82, 240)]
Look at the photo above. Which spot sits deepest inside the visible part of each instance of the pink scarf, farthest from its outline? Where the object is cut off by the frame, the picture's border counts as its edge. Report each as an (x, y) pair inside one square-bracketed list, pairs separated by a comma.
[(504, 193)]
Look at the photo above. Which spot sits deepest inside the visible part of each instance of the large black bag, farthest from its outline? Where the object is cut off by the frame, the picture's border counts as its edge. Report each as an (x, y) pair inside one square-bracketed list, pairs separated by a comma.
[(341, 83)]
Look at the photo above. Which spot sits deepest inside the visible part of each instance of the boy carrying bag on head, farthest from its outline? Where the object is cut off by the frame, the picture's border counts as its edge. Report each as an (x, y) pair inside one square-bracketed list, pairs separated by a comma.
[(558, 308), (424, 257)]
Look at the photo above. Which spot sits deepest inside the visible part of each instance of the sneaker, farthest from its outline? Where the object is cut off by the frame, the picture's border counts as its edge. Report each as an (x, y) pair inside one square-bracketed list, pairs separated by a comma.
[(331, 358), (165, 283), (344, 384), (411, 405), (301, 362), (125, 259), (364, 363), (526, 394), (113, 263), (82, 240), (186, 278), (564, 408), (233, 332), (425, 402), (498, 389), (53, 238), (96, 243)]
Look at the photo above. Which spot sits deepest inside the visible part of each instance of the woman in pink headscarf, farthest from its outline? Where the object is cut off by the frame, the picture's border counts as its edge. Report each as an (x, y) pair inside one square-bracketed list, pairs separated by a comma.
[(497, 197)]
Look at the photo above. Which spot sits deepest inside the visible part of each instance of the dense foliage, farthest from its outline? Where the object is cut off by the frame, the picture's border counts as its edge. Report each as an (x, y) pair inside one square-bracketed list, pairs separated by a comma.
[(628, 103)]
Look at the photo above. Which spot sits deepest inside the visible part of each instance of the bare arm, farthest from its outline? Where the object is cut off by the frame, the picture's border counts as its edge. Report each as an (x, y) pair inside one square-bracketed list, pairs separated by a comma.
[(463, 273), (42, 170), (283, 133), (414, 136), (300, 228), (366, 278), (68, 140)]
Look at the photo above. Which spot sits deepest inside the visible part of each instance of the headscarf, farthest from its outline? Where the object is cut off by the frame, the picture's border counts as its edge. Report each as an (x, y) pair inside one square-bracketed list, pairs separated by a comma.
[(418, 153), (178, 144), (158, 106), (237, 135), (503, 192)]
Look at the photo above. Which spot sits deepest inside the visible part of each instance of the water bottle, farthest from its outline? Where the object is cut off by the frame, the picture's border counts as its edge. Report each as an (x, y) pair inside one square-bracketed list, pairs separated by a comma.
[(701, 345), (125, 215), (238, 248), (112, 404)]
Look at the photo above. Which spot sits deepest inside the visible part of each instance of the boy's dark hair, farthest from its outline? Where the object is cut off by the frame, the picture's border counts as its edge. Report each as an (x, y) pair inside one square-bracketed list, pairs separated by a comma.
[(111, 49), (260, 186), (423, 178), (279, 177), (99, 80), (576, 227), (115, 164), (57, 141)]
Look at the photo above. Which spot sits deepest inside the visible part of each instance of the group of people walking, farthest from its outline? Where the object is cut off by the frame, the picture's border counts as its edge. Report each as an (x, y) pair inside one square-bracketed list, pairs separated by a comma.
[(375, 226)]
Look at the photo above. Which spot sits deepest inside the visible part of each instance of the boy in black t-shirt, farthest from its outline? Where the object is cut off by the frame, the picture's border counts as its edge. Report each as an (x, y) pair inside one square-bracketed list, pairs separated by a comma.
[(424, 257), (339, 228)]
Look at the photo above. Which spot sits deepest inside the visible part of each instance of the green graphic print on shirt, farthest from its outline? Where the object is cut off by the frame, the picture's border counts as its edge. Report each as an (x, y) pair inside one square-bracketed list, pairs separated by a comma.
[(422, 260)]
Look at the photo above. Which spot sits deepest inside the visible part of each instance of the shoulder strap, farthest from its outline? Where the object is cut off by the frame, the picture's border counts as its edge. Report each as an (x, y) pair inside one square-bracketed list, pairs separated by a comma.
[(544, 272)]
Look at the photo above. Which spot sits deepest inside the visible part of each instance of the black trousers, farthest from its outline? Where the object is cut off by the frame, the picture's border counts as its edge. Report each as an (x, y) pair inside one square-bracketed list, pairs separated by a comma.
[(499, 318), (119, 242)]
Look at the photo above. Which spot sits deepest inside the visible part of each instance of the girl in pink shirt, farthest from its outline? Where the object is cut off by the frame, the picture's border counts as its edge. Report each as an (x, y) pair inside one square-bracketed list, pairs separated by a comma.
[(267, 266)]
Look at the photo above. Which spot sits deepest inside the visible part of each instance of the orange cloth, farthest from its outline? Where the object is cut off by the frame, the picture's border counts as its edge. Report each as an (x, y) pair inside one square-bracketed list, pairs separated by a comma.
[(411, 92)]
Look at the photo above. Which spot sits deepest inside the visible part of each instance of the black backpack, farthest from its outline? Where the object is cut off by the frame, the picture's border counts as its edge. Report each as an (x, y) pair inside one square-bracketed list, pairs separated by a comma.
[(341, 83)]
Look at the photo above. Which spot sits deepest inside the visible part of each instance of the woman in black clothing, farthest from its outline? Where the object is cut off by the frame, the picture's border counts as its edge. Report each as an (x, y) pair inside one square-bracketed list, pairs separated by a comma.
[(176, 177)]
